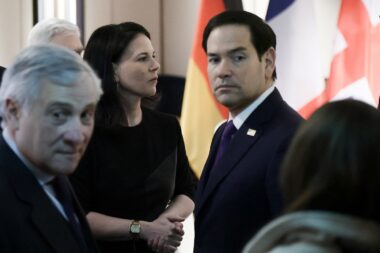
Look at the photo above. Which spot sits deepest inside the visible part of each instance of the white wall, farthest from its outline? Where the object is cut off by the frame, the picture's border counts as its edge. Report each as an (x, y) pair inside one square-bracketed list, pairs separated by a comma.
[(15, 21), (179, 23), (170, 22), (145, 12)]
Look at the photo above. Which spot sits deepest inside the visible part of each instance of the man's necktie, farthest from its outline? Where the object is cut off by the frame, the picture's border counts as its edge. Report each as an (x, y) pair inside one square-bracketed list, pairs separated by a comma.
[(64, 196), (225, 140)]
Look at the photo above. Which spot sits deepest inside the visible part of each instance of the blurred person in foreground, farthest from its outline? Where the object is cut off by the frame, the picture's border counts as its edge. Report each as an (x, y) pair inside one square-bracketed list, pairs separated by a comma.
[(330, 179), (47, 101)]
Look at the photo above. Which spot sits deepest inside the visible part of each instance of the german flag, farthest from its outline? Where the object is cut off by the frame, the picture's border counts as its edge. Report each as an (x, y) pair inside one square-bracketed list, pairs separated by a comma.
[(201, 113)]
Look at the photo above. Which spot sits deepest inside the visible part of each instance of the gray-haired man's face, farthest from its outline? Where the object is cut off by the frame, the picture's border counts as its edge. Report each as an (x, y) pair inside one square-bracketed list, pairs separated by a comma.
[(54, 131)]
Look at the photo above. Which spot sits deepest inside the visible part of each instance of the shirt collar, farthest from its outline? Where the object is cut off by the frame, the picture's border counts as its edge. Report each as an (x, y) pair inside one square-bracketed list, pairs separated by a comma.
[(242, 116), (40, 175)]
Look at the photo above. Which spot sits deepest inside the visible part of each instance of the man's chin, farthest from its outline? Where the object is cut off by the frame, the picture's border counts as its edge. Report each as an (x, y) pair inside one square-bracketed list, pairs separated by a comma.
[(226, 102), (64, 168)]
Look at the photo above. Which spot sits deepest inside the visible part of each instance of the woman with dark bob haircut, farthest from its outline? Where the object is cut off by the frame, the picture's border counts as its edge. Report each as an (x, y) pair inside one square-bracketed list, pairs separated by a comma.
[(134, 180), (331, 184)]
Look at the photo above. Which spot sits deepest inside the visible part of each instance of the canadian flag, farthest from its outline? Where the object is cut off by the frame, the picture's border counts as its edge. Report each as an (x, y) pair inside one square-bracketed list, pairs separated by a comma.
[(355, 68)]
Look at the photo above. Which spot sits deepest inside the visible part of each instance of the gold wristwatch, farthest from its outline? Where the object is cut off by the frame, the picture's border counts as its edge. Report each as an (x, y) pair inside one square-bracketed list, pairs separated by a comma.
[(135, 229)]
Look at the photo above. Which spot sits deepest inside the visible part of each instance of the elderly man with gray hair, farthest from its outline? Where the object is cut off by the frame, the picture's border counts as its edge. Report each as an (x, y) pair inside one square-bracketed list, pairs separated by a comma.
[(53, 30), (58, 31), (48, 99)]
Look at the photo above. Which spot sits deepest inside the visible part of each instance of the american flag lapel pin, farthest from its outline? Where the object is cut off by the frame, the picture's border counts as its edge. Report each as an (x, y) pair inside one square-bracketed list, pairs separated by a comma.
[(251, 132)]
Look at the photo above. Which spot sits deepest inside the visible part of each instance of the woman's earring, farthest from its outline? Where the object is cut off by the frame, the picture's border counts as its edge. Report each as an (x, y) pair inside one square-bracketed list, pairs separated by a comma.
[(117, 81)]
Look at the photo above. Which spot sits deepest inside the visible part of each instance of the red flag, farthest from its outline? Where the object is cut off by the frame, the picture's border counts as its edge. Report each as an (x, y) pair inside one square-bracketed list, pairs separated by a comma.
[(353, 70), (201, 113)]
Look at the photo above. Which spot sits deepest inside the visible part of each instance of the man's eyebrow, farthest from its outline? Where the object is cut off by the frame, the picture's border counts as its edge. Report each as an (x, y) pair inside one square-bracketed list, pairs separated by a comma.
[(231, 51), (58, 104), (211, 54), (238, 49)]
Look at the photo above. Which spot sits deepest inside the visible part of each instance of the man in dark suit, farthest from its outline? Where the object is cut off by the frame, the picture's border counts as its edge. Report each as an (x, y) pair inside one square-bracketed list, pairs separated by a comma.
[(47, 102), (238, 191)]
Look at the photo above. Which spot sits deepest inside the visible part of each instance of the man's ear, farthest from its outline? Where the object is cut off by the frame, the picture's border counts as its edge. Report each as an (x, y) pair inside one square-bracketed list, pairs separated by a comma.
[(12, 113), (270, 60)]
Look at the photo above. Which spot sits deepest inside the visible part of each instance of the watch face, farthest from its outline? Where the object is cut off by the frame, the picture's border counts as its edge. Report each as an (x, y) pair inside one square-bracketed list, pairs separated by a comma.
[(135, 228)]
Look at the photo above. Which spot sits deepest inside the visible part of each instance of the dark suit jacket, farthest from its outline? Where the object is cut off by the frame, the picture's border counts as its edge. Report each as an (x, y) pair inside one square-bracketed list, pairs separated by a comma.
[(241, 194), (29, 221)]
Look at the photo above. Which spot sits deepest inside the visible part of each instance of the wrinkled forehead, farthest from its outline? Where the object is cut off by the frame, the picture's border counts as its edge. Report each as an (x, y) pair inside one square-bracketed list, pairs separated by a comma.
[(78, 94)]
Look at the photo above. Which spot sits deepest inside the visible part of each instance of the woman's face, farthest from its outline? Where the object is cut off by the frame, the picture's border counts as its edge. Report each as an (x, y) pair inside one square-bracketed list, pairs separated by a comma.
[(137, 71)]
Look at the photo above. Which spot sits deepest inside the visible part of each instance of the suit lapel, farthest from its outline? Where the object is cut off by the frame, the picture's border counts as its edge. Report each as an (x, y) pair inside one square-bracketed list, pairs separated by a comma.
[(235, 151), (44, 215), (90, 242), (239, 146), (210, 161), (54, 229)]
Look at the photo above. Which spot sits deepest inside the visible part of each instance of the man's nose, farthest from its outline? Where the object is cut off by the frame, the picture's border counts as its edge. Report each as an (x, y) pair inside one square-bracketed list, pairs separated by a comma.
[(224, 69), (74, 134)]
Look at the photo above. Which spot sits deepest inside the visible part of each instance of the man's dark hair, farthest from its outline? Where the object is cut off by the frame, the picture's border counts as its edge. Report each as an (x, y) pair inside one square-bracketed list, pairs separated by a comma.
[(262, 35)]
